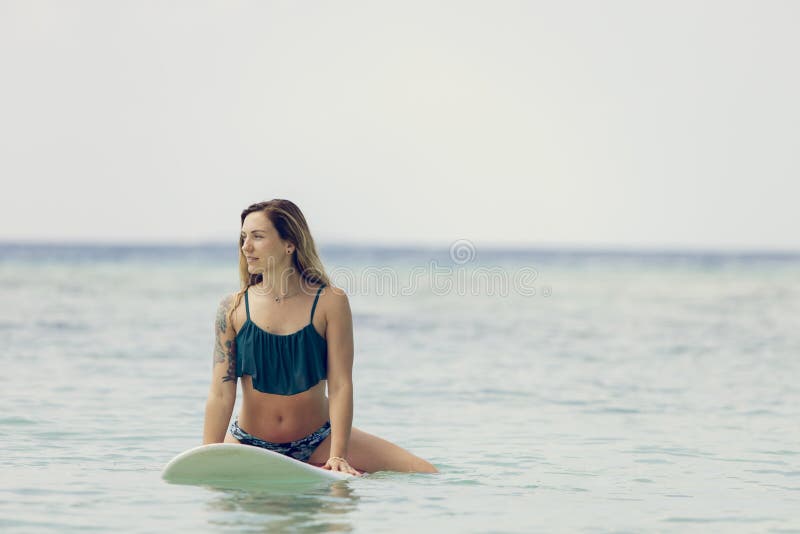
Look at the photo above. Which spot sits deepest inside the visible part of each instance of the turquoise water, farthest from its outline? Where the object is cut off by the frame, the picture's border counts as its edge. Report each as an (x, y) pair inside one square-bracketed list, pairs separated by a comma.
[(630, 392)]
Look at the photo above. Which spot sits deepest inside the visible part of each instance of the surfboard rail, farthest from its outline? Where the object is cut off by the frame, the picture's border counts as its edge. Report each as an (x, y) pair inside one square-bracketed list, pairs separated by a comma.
[(246, 465)]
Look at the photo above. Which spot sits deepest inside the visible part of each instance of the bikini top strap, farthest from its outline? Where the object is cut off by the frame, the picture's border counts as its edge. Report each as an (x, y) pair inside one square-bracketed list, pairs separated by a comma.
[(247, 304), (314, 307)]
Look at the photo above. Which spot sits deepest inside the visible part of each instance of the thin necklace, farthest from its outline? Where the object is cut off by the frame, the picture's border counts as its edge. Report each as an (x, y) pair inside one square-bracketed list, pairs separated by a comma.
[(276, 299), (284, 297)]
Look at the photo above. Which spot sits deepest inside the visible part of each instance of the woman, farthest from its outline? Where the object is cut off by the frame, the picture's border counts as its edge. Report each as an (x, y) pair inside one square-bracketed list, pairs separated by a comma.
[(286, 333)]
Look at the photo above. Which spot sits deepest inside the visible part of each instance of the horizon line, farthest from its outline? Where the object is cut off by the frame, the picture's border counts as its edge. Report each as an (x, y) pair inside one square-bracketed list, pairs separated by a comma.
[(653, 248)]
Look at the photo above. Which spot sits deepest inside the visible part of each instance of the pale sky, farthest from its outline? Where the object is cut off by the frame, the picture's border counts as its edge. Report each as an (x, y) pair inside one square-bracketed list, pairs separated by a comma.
[(583, 123)]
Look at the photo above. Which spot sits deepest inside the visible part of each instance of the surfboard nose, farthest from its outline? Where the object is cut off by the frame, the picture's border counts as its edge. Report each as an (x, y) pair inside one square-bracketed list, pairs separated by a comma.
[(237, 465)]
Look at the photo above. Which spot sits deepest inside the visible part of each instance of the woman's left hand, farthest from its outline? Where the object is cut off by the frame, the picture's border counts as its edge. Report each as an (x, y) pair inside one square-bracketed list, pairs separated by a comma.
[(335, 463)]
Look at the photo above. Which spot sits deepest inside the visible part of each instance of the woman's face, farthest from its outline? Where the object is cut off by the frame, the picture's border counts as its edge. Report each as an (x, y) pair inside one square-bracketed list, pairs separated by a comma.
[(261, 244)]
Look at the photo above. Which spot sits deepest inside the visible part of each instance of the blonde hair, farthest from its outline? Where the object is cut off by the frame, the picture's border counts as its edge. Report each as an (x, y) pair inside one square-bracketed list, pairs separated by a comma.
[(291, 225)]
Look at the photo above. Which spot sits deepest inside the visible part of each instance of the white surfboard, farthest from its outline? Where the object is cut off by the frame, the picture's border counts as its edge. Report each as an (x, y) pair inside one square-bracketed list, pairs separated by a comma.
[(236, 465)]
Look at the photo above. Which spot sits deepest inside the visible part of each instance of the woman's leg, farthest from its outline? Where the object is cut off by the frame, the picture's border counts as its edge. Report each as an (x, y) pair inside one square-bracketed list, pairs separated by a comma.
[(369, 453)]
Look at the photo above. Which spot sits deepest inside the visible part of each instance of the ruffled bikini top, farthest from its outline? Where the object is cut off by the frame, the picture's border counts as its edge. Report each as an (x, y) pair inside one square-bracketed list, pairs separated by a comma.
[(281, 364)]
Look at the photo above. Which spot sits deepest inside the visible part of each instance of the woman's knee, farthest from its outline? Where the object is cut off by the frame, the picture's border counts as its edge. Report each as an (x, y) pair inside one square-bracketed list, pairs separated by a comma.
[(423, 466), (371, 453)]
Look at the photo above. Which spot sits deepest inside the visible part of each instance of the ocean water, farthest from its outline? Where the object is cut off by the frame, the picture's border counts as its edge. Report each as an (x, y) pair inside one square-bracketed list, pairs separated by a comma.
[(554, 390)]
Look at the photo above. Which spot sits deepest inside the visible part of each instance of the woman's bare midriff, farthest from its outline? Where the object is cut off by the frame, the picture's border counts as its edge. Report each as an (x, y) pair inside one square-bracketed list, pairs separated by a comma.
[(282, 418)]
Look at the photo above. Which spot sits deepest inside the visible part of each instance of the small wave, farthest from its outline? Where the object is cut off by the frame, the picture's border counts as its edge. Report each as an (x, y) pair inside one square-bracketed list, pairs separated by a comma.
[(614, 409), (61, 325), (775, 472), (718, 519), (17, 420)]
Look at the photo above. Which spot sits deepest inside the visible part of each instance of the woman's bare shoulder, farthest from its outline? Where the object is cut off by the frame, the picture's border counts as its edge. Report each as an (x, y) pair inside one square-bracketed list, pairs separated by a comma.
[(331, 293), (333, 300), (226, 303)]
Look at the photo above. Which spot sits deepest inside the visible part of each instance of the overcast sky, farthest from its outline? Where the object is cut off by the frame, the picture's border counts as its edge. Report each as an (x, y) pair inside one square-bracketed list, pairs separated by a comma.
[(635, 123)]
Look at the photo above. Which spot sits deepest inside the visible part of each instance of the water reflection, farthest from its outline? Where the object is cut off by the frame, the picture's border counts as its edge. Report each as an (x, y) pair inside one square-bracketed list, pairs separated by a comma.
[(321, 509)]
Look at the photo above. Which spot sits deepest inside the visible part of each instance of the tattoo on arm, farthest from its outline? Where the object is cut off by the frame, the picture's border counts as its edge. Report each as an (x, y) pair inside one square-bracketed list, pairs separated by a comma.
[(221, 326), (231, 375), (225, 349)]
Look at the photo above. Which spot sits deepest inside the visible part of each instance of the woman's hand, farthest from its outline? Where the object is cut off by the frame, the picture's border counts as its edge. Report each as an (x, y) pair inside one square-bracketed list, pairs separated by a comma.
[(335, 463)]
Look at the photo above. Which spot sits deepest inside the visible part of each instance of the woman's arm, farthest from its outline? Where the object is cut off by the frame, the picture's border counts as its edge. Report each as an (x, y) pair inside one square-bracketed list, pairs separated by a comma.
[(222, 393), (339, 335)]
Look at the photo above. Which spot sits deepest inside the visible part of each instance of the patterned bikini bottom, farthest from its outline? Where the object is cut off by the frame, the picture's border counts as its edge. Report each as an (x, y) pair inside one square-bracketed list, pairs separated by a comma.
[(300, 449)]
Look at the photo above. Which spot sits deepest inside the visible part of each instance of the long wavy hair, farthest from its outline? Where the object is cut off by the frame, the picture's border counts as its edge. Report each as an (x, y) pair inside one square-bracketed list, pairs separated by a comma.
[(291, 225)]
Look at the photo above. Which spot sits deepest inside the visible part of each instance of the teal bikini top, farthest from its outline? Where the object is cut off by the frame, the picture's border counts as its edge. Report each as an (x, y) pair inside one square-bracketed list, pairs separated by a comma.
[(281, 364)]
